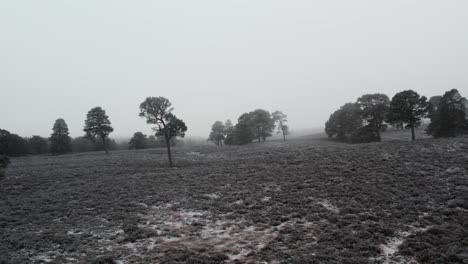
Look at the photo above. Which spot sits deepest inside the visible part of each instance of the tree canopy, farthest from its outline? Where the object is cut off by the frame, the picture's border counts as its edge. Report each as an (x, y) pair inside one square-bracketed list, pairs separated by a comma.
[(218, 133), (374, 109), (98, 125), (407, 109), (12, 145), (258, 124), (344, 122), (263, 124), (60, 139), (138, 141), (449, 119), (280, 119), (157, 111)]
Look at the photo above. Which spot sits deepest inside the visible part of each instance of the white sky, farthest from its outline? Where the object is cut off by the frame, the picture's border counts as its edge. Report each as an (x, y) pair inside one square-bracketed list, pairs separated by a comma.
[(218, 59)]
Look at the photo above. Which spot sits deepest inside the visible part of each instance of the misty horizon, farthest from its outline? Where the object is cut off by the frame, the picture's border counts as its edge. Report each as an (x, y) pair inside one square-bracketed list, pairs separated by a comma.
[(217, 60)]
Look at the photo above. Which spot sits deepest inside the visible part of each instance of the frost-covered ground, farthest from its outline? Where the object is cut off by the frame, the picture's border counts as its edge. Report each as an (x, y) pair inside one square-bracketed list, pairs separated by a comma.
[(303, 201)]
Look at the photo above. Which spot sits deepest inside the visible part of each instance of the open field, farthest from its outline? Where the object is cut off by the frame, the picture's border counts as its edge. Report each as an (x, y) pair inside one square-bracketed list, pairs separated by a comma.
[(304, 201)]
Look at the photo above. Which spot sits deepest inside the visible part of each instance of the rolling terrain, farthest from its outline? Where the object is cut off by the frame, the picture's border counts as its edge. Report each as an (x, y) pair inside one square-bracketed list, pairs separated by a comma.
[(307, 200)]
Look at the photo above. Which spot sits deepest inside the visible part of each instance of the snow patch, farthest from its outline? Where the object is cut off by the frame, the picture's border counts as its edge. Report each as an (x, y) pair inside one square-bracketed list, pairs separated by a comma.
[(327, 205), (213, 196), (391, 248)]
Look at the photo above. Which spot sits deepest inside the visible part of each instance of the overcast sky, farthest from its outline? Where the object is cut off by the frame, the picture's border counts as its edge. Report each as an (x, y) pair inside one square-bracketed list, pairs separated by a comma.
[(218, 59)]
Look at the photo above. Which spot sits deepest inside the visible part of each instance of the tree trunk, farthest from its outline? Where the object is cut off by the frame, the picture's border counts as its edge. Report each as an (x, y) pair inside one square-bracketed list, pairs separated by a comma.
[(379, 138), (284, 136), (413, 135), (105, 145), (169, 155)]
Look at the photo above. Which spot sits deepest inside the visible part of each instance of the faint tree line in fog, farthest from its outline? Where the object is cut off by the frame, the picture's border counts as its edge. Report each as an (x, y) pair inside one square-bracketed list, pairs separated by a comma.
[(156, 110), (256, 125), (361, 121), (142, 141), (364, 120)]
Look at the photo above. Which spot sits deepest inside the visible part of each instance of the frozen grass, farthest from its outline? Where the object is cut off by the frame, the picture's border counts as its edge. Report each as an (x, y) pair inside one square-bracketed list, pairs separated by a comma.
[(303, 201)]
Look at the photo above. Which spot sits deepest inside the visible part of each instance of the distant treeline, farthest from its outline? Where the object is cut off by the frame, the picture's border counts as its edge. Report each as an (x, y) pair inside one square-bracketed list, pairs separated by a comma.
[(364, 120), (156, 110), (14, 145), (60, 142), (256, 125)]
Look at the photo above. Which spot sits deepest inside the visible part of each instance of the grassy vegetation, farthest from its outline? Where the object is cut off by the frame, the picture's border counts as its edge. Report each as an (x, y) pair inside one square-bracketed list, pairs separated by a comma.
[(303, 201)]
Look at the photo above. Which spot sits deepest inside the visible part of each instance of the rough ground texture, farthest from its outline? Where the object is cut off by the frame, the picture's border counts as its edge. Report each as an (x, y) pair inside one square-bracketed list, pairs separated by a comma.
[(304, 201)]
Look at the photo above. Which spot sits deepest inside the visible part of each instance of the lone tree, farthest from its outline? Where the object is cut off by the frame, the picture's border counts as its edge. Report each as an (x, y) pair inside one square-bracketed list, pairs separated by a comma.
[(218, 133), (407, 108), (450, 117), (280, 120), (374, 109), (138, 141), (157, 111), (97, 125), (60, 139)]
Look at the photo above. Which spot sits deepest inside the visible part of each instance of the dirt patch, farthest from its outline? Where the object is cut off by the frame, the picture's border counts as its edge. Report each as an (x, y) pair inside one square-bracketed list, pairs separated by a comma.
[(194, 230)]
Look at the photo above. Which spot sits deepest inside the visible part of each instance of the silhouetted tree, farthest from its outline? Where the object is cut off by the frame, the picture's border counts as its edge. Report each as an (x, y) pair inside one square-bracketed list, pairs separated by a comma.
[(345, 122), (262, 123), (218, 133), (230, 132), (157, 111), (407, 108), (60, 139), (38, 145), (374, 109), (280, 120), (12, 145), (97, 125), (138, 141), (243, 131), (450, 117)]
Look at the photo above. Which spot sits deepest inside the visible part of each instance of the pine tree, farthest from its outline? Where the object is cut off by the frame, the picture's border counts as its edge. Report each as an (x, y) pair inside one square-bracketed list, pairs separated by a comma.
[(157, 111), (97, 125), (60, 141)]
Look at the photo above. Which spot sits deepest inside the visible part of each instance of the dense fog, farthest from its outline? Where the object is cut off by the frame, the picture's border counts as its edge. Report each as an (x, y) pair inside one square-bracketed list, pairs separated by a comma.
[(217, 59)]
